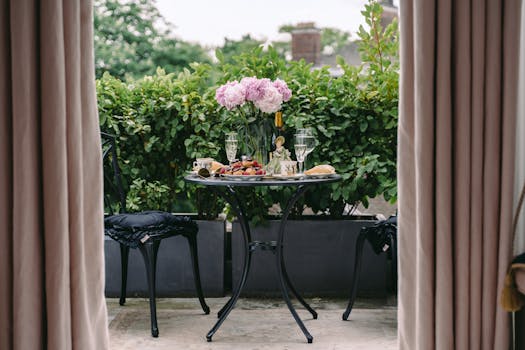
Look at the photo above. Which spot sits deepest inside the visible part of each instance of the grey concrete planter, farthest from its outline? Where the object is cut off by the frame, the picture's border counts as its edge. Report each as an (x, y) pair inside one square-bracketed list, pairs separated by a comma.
[(174, 271), (519, 327), (319, 256)]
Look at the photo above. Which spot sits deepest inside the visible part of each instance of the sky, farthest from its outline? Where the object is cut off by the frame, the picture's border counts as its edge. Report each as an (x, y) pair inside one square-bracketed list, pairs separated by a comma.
[(208, 22)]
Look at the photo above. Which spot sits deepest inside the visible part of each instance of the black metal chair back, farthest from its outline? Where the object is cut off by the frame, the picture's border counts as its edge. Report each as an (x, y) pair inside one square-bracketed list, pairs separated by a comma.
[(113, 185)]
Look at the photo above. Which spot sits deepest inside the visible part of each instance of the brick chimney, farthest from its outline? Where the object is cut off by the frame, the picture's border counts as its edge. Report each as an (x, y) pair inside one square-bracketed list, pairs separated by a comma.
[(306, 43), (390, 11)]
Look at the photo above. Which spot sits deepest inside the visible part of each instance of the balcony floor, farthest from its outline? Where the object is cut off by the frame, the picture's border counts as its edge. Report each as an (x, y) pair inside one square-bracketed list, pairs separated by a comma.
[(260, 324)]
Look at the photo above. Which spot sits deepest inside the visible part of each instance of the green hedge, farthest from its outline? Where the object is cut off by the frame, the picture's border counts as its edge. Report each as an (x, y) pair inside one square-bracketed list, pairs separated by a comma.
[(164, 122)]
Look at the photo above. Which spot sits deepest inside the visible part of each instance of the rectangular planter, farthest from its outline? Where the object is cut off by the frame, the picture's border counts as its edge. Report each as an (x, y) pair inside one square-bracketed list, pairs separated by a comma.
[(519, 327), (174, 269), (319, 256)]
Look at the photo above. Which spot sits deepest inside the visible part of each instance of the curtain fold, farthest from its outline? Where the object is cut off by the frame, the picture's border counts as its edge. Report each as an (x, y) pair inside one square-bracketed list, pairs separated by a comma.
[(6, 190), (456, 143), (51, 229), (519, 182)]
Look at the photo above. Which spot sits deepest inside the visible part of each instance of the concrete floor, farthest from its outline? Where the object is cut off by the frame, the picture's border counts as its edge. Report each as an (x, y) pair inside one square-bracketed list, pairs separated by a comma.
[(255, 324)]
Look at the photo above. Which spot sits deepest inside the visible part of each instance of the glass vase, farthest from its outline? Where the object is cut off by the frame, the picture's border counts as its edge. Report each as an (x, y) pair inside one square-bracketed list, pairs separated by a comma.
[(257, 139)]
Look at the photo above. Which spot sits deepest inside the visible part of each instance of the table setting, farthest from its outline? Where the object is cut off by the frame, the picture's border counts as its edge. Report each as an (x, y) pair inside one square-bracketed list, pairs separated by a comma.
[(280, 167)]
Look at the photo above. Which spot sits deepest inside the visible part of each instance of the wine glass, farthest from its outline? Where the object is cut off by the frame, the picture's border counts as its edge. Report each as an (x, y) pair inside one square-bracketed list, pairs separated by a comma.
[(309, 140), (231, 143), (300, 147)]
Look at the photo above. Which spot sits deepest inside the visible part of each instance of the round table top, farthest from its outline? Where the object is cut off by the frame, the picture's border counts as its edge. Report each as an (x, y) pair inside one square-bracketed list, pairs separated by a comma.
[(265, 181)]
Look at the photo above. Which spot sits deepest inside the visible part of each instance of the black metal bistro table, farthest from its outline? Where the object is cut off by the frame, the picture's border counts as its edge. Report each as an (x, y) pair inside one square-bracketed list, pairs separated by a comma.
[(226, 189)]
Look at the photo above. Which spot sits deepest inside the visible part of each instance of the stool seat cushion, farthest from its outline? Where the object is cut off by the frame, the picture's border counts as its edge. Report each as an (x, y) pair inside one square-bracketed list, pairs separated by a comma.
[(380, 234), (136, 228)]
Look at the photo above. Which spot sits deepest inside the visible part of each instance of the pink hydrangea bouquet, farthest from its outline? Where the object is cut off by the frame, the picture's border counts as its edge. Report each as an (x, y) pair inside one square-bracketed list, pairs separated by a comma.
[(266, 95)]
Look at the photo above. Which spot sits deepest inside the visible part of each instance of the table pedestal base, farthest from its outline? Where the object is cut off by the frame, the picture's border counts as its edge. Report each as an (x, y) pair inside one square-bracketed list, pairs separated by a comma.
[(250, 246)]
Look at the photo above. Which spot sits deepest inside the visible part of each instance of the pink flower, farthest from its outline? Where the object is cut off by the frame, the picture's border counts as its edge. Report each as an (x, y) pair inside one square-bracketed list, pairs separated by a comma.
[(231, 95), (219, 94), (271, 101), (266, 95), (255, 88), (283, 89)]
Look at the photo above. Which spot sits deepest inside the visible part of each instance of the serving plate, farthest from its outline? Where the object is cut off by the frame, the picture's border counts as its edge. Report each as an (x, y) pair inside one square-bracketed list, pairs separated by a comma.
[(242, 177)]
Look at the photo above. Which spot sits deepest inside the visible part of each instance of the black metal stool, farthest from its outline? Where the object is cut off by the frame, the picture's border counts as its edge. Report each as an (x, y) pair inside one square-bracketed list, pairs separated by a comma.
[(383, 238), (145, 231)]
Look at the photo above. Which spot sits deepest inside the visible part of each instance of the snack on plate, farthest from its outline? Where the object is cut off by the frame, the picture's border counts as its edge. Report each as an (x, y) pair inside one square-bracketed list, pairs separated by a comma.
[(320, 169), (246, 167), (216, 166)]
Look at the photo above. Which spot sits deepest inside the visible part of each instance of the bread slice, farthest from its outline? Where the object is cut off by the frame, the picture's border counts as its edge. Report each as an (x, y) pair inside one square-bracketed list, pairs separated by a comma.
[(320, 169)]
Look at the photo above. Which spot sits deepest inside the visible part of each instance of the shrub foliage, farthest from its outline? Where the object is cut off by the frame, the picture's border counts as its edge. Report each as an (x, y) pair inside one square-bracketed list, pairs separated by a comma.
[(163, 122)]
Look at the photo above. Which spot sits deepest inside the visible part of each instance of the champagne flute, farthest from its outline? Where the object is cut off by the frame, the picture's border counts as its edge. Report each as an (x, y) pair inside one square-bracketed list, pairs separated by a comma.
[(309, 139), (231, 143), (300, 147), (304, 131)]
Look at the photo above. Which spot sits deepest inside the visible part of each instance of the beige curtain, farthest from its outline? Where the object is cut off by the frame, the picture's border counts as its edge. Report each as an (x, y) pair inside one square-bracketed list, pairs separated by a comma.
[(51, 230), (457, 121), (519, 181)]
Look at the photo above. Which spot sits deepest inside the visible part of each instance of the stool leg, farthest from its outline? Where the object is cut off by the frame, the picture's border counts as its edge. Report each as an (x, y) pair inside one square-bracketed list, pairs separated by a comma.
[(124, 254), (192, 241), (393, 246), (357, 269), (149, 252)]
